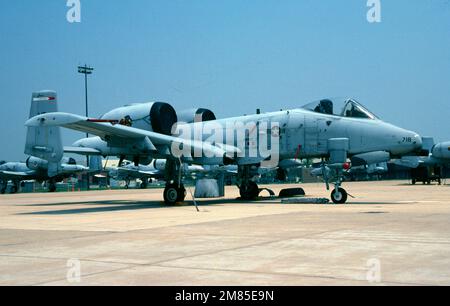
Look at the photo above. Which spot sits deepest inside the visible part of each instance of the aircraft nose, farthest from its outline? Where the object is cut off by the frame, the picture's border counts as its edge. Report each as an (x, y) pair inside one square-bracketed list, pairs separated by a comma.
[(417, 141)]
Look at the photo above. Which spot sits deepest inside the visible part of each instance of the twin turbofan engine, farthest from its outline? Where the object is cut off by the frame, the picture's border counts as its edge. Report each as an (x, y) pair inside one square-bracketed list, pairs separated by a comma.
[(157, 117)]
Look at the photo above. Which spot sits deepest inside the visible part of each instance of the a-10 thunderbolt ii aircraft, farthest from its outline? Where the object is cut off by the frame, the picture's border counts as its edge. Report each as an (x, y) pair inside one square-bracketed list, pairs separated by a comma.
[(438, 156), (331, 130), (36, 169), (44, 145)]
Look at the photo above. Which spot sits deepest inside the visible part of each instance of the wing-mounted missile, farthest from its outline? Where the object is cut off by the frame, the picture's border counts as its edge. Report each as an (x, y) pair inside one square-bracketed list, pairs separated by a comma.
[(196, 115)]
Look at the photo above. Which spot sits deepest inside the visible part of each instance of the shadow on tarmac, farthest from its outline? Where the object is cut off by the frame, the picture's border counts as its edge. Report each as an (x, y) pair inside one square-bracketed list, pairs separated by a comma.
[(123, 205)]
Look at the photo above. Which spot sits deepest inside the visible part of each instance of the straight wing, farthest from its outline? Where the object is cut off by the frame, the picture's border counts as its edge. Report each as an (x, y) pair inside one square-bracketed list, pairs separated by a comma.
[(109, 130)]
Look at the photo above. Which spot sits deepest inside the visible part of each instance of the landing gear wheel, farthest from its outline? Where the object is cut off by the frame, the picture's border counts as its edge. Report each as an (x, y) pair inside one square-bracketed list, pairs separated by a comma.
[(249, 191), (144, 185), (3, 191), (174, 193), (182, 194), (52, 188), (339, 197)]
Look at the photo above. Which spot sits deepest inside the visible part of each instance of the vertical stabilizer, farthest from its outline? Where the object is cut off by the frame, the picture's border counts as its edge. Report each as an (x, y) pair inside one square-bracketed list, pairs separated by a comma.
[(44, 142)]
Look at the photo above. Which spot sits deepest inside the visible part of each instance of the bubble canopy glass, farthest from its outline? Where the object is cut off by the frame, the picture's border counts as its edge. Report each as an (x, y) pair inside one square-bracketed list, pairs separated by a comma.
[(342, 107)]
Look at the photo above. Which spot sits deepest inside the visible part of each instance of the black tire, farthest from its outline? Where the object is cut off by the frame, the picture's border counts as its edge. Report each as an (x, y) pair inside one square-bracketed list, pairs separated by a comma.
[(249, 191), (52, 188), (174, 194), (144, 185), (181, 194), (3, 191), (339, 197), (413, 182)]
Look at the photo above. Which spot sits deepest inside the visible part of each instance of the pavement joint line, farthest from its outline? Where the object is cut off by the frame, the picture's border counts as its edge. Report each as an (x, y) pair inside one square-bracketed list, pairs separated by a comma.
[(288, 275), (58, 239), (223, 250), (82, 276), (133, 265), (166, 260)]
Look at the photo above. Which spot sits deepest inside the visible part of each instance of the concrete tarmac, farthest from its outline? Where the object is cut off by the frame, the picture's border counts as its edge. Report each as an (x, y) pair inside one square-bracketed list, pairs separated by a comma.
[(392, 233)]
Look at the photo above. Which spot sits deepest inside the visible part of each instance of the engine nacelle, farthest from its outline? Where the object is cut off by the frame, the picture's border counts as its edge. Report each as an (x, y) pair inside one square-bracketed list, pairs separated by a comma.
[(35, 163), (442, 150), (157, 117), (196, 115)]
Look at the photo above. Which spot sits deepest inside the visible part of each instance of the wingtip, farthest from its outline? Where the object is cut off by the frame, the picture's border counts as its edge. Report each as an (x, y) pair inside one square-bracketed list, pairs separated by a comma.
[(52, 119)]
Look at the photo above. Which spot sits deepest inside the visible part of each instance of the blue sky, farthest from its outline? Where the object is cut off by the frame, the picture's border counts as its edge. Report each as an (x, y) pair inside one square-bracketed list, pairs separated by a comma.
[(231, 56)]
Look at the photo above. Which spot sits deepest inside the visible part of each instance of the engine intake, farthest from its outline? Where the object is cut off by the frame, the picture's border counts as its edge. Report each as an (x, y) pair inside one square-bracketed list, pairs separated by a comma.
[(157, 117), (196, 115)]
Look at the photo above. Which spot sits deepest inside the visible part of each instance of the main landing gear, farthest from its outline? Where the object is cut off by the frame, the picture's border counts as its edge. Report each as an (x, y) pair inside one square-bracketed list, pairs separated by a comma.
[(51, 186), (175, 191), (144, 183), (248, 189), (14, 188), (3, 186)]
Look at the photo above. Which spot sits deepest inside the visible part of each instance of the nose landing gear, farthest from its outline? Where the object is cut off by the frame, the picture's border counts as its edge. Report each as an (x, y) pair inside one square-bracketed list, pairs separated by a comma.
[(339, 196)]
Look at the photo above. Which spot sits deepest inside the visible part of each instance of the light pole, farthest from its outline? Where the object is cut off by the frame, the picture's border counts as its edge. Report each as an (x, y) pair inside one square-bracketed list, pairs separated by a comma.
[(86, 70)]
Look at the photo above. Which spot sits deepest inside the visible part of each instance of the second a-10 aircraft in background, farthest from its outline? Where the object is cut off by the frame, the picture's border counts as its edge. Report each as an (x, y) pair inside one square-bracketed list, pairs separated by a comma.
[(429, 166), (36, 169), (44, 147), (334, 131)]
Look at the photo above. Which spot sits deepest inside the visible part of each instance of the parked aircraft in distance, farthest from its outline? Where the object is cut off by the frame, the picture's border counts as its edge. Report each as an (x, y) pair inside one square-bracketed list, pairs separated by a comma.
[(44, 145)]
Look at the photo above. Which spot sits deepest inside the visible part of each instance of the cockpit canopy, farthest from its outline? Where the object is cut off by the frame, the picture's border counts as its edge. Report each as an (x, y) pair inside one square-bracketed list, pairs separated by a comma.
[(349, 108)]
